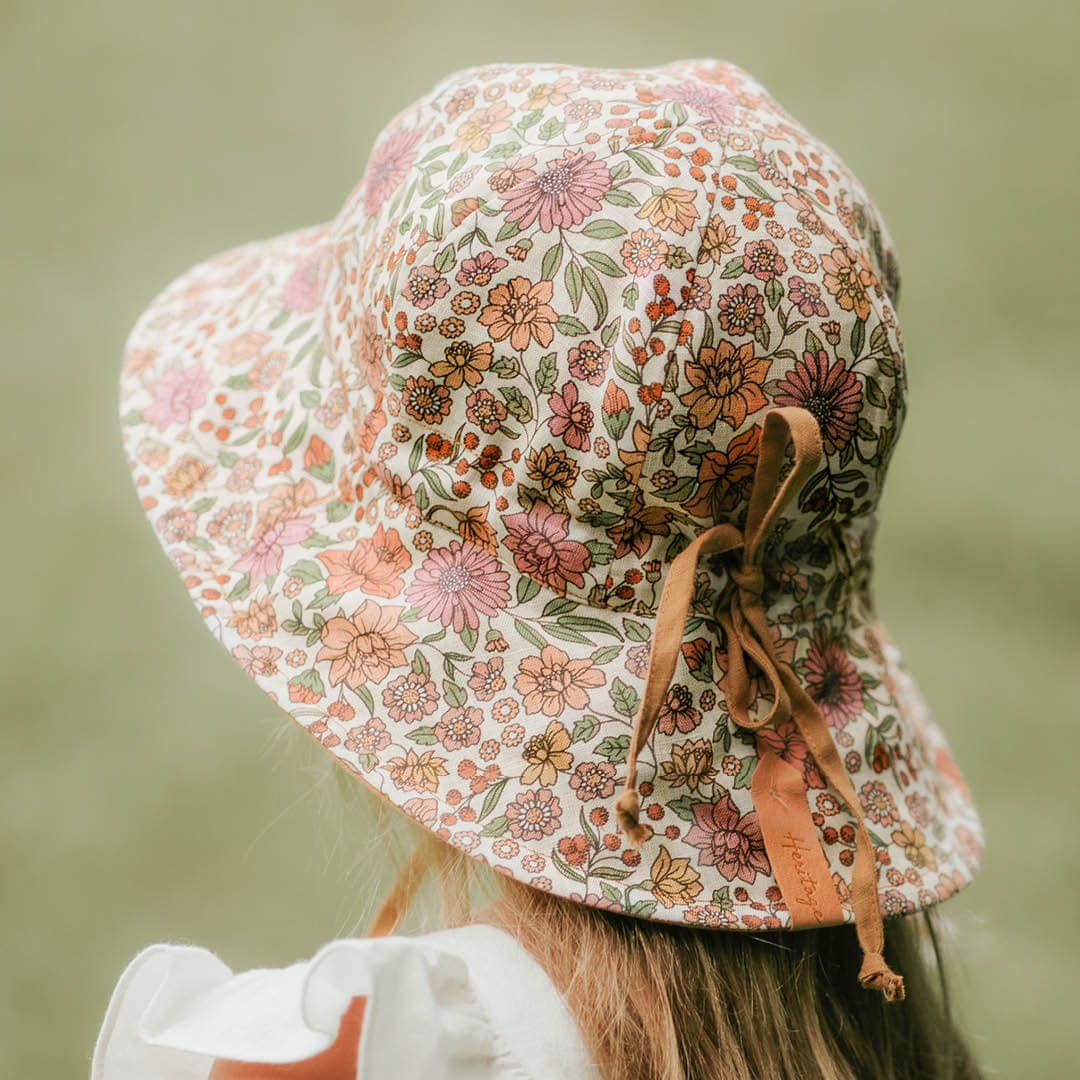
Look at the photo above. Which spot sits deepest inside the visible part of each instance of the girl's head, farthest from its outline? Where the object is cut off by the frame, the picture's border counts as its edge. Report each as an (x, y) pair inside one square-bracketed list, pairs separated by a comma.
[(485, 482), (656, 1001)]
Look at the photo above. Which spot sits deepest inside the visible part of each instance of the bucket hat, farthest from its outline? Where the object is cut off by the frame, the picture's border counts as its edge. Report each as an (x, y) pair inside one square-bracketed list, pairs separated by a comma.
[(485, 483)]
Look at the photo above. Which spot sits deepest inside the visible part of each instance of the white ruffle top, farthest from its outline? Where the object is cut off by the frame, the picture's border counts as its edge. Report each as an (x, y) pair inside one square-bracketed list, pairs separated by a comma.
[(463, 1004)]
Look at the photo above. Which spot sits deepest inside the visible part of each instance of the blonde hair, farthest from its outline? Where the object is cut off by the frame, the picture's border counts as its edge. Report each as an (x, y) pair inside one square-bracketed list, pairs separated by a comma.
[(656, 1001)]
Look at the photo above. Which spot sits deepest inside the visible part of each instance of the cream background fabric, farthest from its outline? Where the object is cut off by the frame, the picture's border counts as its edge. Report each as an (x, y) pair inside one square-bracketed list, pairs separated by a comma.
[(463, 1004)]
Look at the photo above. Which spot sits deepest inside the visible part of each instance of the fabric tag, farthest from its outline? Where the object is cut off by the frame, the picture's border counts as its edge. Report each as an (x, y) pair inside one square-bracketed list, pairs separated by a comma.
[(791, 842)]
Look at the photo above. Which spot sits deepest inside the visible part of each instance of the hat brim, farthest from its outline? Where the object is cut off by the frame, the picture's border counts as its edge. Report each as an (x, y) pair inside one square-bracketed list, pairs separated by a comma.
[(498, 715)]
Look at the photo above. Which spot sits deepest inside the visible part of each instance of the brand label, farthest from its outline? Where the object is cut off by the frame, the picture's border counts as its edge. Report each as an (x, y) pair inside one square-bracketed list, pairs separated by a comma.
[(791, 842)]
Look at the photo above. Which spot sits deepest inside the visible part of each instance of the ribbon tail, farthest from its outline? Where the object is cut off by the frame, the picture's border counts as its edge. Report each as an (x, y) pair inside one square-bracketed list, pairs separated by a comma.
[(869, 925)]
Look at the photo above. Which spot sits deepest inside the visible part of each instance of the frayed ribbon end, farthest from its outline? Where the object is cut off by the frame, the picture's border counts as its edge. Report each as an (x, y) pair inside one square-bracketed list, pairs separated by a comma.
[(875, 974)]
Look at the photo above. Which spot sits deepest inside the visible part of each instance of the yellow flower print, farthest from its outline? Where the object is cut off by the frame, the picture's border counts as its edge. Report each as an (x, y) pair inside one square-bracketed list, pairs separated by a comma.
[(691, 764), (672, 209), (547, 756), (916, 850), (674, 881), (417, 772), (475, 133), (717, 240)]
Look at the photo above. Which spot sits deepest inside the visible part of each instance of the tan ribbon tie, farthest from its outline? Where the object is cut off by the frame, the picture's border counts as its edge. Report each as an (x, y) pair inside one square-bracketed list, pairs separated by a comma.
[(747, 633)]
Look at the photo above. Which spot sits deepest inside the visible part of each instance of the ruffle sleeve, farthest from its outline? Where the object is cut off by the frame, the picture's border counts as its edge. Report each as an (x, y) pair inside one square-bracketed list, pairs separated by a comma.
[(178, 1008)]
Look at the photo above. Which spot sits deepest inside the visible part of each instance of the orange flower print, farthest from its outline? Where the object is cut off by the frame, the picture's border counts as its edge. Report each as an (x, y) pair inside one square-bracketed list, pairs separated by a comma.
[(519, 310), (725, 477), (368, 352), (366, 646), (417, 772), (672, 209), (506, 174), (374, 565), (674, 881), (283, 500), (847, 281), (186, 477), (638, 527), (317, 456), (552, 681), (643, 252), (473, 525), (257, 622), (547, 756), (475, 133), (463, 363), (726, 384)]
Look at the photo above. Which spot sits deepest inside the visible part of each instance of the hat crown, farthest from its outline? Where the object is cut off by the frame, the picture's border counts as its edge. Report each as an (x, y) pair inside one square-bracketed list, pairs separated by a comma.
[(563, 299)]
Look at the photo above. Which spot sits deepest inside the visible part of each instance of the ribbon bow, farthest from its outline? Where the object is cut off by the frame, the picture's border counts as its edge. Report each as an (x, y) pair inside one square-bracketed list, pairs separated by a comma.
[(747, 634)]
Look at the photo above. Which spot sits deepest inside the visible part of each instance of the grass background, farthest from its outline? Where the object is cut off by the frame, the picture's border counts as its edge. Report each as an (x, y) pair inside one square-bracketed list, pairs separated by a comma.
[(141, 136)]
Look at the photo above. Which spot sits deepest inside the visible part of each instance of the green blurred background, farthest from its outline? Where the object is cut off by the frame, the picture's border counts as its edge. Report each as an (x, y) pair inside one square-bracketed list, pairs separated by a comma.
[(140, 137)]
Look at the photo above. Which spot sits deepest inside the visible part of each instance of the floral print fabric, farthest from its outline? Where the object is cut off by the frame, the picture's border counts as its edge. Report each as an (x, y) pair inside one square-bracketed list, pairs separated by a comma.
[(422, 468)]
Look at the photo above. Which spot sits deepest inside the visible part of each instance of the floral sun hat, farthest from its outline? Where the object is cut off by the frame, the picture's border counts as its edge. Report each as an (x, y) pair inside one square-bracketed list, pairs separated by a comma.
[(427, 470)]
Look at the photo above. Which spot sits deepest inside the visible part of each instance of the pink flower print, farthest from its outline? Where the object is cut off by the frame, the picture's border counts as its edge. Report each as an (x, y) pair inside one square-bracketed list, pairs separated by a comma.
[(177, 524), (410, 697), (541, 549), (588, 362), (534, 814), (761, 258), (480, 270), (425, 286), (733, 844), (594, 780), (177, 394), (717, 105), (643, 252), (833, 682), (260, 660), (263, 558), (389, 165), (368, 738), (457, 584), (678, 712), (806, 296), (786, 741), (485, 410), (303, 290), (459, 728), (742, 310), (573, 419), (877, 804), (487, 678), (563, 195)]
